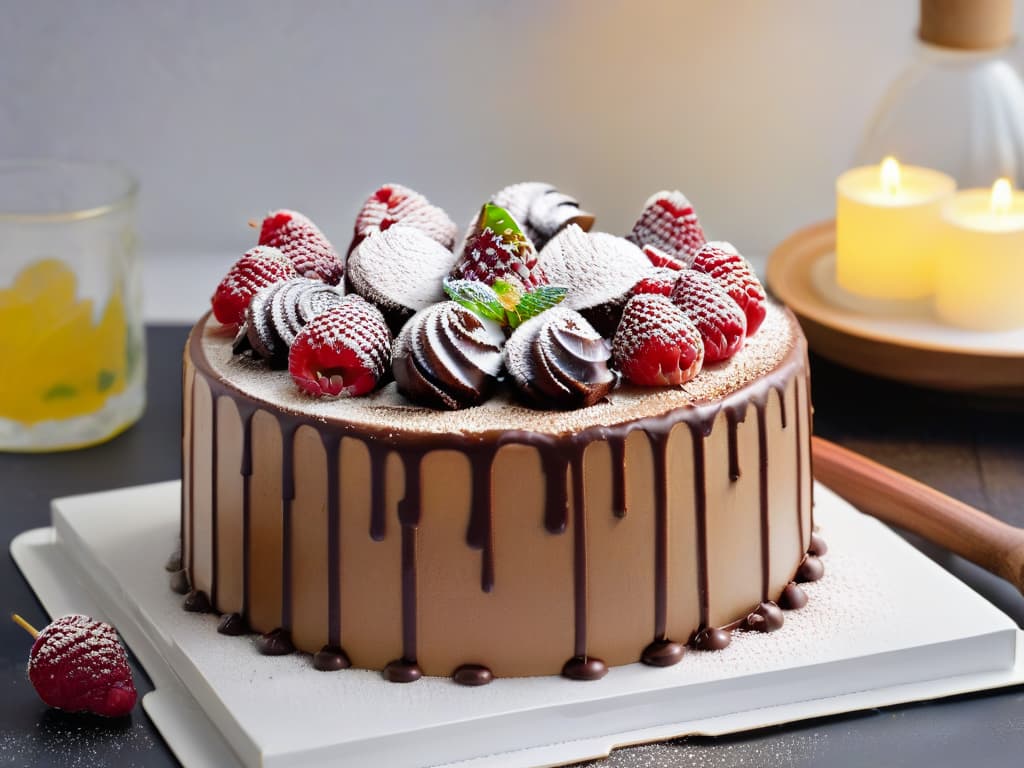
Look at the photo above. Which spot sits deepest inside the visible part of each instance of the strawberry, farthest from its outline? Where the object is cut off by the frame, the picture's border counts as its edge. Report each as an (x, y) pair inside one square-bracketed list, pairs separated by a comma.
[(656, 345), (343, 352), (670, 224), (659, 258), (731, 271), (497, 249), (303, 244), (719, 319), (660, 281), (395, 204), (259, 267), (78, 664)]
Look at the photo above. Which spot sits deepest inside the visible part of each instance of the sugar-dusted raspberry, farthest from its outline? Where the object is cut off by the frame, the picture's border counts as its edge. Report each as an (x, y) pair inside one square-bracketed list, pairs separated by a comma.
[(659, 258), (659, 280), (394, 204), (719, 319), (497, 249), (343, 352), (670, 224), (656, 345), (259, 267), (730, 270), (78, 664), (304, 244)]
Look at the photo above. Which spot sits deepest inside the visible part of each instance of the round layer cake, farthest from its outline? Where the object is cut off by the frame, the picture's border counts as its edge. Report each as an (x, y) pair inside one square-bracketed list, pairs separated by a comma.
[(498, 540)]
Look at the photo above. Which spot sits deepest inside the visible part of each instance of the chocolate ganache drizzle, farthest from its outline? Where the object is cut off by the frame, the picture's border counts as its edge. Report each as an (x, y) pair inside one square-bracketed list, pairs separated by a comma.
[(447, 357), (571, 367)]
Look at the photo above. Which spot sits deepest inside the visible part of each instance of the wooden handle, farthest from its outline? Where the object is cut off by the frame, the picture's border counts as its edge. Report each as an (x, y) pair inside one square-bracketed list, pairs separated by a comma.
[(901, 501)]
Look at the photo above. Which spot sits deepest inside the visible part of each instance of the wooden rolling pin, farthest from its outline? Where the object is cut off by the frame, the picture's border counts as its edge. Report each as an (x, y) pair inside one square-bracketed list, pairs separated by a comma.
[(904, 502)]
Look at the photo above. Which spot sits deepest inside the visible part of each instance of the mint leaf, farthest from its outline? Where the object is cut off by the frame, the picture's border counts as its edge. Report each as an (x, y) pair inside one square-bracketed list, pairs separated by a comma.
[(536, 301), (476, 297)]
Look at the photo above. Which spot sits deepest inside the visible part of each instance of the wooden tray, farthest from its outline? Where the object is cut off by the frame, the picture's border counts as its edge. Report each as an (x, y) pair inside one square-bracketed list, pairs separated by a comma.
[(902, 342)]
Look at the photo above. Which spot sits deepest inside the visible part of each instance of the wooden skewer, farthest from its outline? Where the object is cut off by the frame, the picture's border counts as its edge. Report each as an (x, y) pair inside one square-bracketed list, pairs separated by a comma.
[(24, 625), (904, 502)]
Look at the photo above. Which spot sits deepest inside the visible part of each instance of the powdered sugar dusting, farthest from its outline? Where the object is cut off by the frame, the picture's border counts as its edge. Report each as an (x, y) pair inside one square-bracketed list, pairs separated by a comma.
[(670, 224), (395, 204), (302, 242), (597, 268), (720, 320), (388, 410), (400, 268)]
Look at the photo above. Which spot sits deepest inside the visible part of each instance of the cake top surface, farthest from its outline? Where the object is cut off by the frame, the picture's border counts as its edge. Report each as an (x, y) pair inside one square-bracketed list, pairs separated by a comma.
[(386, 410)]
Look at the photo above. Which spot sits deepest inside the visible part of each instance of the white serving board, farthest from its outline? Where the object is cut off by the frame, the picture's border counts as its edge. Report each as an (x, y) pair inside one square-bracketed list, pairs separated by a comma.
[(886, 625)]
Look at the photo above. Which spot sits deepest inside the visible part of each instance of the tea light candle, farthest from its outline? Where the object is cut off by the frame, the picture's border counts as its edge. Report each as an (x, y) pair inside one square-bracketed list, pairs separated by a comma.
[(887, 225), (980, 265)]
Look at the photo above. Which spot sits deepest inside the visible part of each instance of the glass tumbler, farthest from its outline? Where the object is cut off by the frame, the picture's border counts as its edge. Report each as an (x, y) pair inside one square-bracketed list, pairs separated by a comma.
[(72, 355)]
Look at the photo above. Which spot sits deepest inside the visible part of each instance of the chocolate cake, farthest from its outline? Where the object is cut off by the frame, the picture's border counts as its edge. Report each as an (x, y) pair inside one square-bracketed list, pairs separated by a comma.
[(506, 492)]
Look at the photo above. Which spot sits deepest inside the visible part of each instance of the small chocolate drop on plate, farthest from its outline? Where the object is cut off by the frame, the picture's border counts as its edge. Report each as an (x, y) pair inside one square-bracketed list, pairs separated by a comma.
[(402, 671), (197, 602), (663, 653), (767, 617), (173, 562), (180, 583), (584, 668), (472, 674), (275, 643), (811, 569), (712, 639), (331, 658), (818, 546), (233, 625), (793, 597)]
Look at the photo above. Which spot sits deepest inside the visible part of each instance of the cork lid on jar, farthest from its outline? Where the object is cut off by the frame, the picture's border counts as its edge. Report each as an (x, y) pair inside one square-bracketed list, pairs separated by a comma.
[(967, 24)]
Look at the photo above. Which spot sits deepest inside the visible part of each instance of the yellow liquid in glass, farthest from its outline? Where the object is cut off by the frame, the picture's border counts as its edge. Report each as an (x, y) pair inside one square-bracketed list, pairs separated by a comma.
[(58, 363)]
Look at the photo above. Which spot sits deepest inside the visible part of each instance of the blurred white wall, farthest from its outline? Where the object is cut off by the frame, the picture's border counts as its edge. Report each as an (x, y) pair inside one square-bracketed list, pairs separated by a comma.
[(227, 109)]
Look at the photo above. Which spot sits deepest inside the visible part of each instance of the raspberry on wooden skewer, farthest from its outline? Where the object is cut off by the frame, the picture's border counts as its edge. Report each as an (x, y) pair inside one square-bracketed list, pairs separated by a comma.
[(78, 664)]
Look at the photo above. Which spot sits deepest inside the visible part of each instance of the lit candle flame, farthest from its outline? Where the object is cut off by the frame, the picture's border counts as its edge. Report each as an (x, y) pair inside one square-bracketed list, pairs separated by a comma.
[(890, 175), (1002, 196)]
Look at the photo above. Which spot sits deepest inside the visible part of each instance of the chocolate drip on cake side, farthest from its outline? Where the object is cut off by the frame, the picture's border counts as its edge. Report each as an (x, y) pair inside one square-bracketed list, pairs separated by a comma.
[(562, 462), (378, 463), (479, 532), (189, 549), (288, 429), (405, 669), (734, 415), (659, 447), (214, 516), (700, 503), (617, 447), (762, 461), (245, 412), (332, 450), (799, 467)]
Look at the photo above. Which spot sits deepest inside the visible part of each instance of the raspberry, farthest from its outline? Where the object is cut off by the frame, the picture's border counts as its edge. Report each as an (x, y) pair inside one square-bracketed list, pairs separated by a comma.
[(669, 223), (497, 249), (719, 319), (656, 345), (343, 352), (660, 281), (731, 271), (79, 665), (395, 204), (303, 244), (659, 258), (259, 267)]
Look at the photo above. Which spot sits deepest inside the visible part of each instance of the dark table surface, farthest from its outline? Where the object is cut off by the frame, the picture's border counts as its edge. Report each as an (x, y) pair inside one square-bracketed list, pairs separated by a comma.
[(969, 447)]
